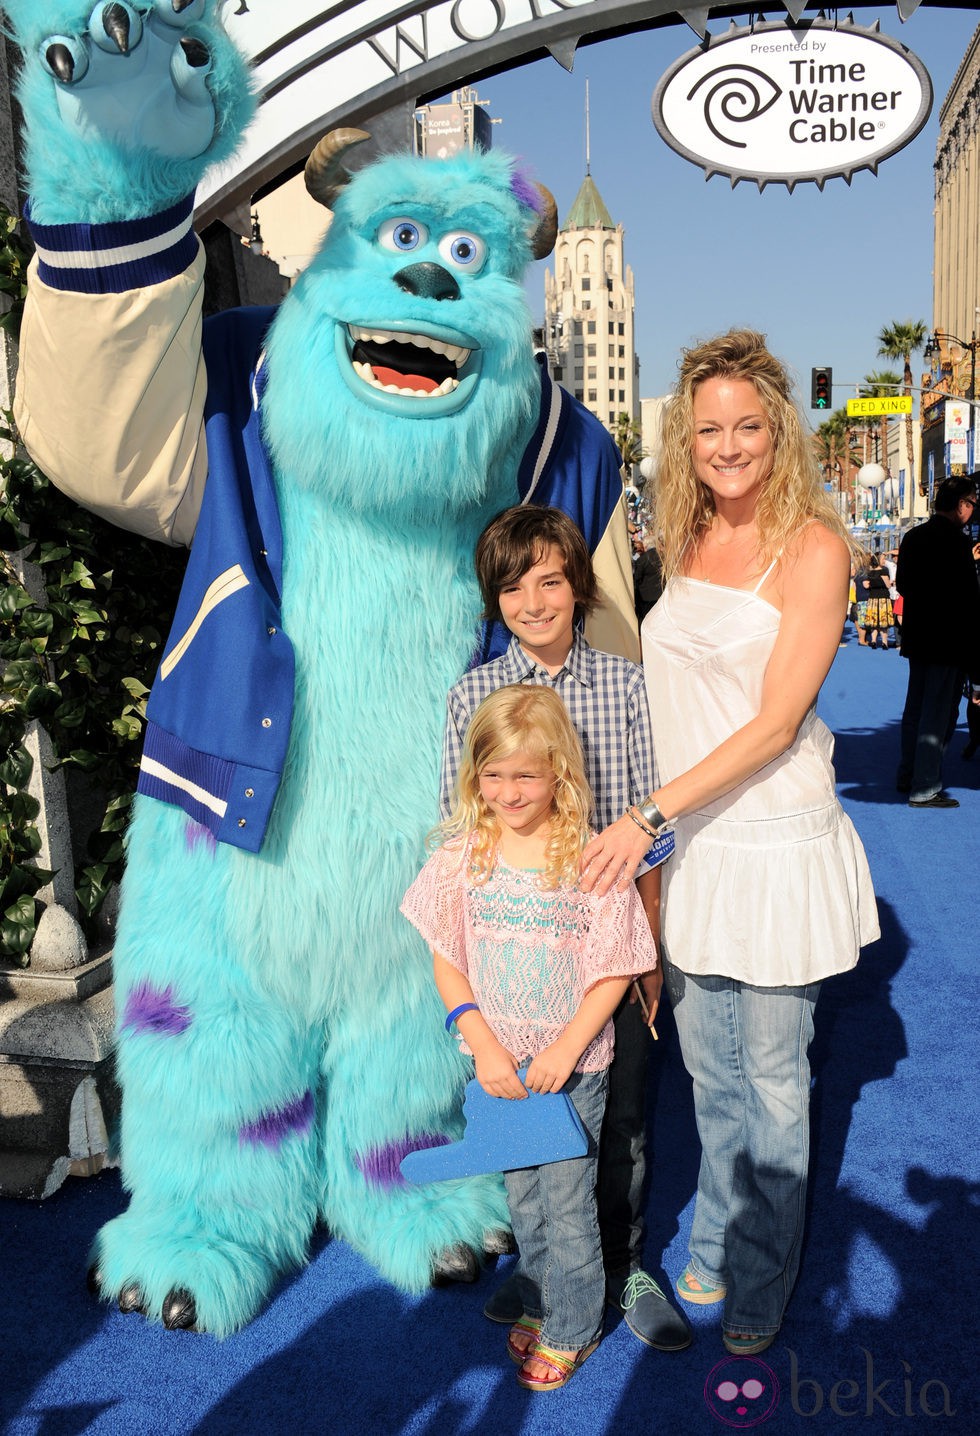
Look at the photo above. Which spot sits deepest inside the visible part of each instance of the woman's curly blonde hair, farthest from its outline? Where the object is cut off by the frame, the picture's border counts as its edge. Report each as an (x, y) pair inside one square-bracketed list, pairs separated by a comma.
[(791, 496), (522, 718)]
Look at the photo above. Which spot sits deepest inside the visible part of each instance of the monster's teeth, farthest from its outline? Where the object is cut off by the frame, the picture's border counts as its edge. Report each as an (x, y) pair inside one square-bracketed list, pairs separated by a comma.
[(455, 353), (364, 371)]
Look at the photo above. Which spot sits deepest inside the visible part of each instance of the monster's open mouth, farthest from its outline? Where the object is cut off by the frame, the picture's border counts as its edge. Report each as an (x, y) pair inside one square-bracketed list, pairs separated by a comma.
[(412, 365)]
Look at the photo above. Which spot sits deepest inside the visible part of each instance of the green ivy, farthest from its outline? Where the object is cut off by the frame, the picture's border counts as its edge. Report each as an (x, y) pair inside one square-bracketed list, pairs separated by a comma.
[(80, 662)]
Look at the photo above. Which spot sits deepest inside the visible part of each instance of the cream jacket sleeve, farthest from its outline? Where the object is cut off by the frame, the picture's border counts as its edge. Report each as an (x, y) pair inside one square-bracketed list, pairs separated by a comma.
[(612, 626), (110, 400)]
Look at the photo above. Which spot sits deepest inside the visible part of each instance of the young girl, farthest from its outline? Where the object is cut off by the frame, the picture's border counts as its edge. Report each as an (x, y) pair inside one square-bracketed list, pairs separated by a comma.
[(531, 970)]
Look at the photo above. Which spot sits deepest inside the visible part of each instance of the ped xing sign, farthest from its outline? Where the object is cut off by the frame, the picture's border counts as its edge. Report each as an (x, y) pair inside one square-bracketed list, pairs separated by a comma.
[(887, 404), (782, 103)]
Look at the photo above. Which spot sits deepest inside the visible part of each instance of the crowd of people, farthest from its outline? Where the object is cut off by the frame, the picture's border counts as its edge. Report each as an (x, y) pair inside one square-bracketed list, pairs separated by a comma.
[(567, 775)]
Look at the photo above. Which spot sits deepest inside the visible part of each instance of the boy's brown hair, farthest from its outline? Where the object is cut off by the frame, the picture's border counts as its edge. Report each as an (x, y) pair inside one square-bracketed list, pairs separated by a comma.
[(519, 538)]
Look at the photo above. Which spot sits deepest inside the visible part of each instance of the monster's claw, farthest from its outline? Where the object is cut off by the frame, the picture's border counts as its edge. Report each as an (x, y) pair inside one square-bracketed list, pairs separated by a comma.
[(131, 1298), (179, 1310), (499, 1242), (176, 8), (65, 61), (190, 67), (196, 53), (115, 28), (456, 1263)]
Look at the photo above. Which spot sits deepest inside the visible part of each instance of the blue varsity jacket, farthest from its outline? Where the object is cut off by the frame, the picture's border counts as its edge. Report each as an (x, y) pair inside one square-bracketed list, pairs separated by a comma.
[(220, 709)]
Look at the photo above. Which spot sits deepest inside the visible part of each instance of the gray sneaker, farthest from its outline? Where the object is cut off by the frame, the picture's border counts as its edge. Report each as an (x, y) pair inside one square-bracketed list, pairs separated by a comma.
[(649, 1315)]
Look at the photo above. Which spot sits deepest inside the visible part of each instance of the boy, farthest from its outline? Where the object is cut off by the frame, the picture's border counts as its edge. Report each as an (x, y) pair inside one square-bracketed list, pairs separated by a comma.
[(536, 575)]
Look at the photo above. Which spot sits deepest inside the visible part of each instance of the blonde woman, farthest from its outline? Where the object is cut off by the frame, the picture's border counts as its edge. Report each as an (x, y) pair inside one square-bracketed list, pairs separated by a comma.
[(768, 891), (531, 970)]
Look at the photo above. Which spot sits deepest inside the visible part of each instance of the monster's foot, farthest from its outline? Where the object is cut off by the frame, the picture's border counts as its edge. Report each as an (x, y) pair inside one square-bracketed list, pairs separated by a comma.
[(186, 1278), (419, 1236), (458, 1263)]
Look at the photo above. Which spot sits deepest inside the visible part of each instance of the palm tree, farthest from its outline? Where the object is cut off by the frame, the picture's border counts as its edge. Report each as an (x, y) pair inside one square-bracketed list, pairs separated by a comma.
[(831, 444), (900, 340), (626, 433)]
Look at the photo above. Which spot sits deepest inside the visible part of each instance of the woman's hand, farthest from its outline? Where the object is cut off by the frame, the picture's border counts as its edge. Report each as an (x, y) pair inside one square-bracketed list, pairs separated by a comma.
[(552, 1068), (613, 857), (496, 1072)]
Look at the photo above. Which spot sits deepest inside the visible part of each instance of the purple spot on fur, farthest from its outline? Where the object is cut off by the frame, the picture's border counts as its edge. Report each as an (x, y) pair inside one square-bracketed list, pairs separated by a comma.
[(196, 834), (272, 1128), (525, 191), (153, 1009), (380, 1166)]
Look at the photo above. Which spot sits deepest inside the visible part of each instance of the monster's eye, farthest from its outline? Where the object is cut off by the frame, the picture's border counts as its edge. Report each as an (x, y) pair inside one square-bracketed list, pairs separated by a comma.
[(465, 251), (402, 234)]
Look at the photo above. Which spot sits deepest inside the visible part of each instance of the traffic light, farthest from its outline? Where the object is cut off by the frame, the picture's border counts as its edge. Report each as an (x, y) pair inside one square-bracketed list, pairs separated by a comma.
[(821, 383)]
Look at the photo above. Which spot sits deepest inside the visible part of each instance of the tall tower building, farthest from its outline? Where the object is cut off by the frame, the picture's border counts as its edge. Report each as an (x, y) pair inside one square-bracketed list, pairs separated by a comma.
[(588, 313)]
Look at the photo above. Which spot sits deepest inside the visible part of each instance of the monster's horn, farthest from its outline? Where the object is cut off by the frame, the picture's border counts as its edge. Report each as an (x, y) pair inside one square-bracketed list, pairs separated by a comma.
[(546, 229), (325, 173)]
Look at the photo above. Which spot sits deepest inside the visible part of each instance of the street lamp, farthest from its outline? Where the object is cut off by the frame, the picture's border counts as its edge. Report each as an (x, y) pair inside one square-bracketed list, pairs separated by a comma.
[(939, 337)]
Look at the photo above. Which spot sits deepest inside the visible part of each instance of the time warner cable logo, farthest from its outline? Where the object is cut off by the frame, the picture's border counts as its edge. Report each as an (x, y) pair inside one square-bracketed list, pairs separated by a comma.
[(736, 97), (779, 104)]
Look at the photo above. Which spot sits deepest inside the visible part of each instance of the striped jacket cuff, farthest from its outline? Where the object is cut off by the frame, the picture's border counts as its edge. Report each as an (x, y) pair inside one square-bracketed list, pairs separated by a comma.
[(111, 258)]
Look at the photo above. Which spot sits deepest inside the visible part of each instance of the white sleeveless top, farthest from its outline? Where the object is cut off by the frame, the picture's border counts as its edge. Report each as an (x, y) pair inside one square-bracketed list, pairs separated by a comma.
[(768, 884)]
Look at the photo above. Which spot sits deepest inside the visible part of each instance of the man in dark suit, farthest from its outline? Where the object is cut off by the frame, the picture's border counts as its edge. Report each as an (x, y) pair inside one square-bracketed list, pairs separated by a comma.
[(937, 578)]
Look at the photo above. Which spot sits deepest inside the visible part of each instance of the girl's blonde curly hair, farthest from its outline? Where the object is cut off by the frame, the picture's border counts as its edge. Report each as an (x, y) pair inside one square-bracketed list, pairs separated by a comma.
[(792, 495), (522, 718)]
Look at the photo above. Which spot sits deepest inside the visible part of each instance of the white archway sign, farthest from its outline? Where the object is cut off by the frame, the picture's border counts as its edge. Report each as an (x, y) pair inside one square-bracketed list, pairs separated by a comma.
[(319, 65)]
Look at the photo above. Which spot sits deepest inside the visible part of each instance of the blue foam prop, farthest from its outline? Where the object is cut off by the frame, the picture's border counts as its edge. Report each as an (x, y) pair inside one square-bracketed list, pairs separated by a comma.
[(502, 1134), (661, 850)]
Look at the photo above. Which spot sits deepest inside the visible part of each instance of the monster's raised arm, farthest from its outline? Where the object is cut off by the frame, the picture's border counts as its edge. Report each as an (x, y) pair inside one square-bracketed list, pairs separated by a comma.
[(124, 109)]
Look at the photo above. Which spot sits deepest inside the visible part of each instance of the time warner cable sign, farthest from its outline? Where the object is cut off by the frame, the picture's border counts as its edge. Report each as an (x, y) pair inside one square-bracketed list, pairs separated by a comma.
[(779, 104)]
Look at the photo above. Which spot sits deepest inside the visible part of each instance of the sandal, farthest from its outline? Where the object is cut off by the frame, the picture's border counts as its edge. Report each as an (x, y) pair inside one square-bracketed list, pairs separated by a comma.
[(745, 1343), (693, 1289), (527, 1326), (564, 1367)]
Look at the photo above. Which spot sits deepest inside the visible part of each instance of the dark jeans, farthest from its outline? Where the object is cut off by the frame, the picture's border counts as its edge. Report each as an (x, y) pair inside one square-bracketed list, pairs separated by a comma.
[(621, 1192), (931, 705)]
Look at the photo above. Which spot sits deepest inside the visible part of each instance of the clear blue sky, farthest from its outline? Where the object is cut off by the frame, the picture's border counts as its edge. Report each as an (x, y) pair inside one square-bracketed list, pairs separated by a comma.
[(820, 272)]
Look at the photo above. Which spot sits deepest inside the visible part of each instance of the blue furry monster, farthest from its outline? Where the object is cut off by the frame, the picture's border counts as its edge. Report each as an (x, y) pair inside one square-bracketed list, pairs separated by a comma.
[(280, 1042)]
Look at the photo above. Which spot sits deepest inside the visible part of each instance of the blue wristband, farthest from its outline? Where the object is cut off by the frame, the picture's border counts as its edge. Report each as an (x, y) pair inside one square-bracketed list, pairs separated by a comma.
[(458, 1012)]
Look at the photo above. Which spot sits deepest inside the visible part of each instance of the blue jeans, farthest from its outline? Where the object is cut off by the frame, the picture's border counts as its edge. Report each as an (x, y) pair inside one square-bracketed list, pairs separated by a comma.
[(621, 1193), (553, 1213), (931, 706), (746, 1050)]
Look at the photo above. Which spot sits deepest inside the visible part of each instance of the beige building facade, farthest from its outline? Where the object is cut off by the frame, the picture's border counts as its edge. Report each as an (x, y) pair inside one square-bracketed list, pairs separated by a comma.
[(956, 276), (956, 266), (589, 304)]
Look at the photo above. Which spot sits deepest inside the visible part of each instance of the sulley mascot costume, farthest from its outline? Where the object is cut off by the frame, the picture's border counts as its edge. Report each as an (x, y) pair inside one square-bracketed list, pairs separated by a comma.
[(280, 1043)]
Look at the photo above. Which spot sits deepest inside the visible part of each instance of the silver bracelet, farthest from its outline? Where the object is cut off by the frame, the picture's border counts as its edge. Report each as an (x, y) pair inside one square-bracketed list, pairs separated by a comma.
[(651, 814), (649, 831)]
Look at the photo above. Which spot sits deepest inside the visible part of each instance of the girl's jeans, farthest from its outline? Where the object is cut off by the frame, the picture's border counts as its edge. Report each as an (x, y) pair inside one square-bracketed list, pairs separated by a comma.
[(746, 1050), (553, 1212)]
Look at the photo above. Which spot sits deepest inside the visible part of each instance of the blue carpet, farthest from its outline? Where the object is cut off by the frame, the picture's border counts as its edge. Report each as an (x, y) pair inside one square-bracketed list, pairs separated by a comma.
[(881, 1334)]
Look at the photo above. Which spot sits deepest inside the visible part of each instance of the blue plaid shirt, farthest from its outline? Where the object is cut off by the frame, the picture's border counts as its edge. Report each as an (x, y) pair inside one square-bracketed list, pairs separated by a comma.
[(606, 699)]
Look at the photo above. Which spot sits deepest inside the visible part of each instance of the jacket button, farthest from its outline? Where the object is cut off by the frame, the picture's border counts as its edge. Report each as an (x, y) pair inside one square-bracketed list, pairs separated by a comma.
[(266, 722), (241, 822), (250, 792), (271, 632)]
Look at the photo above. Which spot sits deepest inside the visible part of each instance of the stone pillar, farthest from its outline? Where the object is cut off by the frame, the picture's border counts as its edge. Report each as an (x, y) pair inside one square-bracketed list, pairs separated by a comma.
[(57, 1094)]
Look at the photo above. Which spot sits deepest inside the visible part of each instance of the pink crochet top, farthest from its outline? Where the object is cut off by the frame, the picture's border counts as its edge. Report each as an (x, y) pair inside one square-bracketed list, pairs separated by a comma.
[(530, 953)]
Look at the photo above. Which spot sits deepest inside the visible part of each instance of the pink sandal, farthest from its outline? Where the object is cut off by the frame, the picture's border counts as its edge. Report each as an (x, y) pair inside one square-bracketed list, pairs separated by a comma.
[(527, 1326), (564, 1367)]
